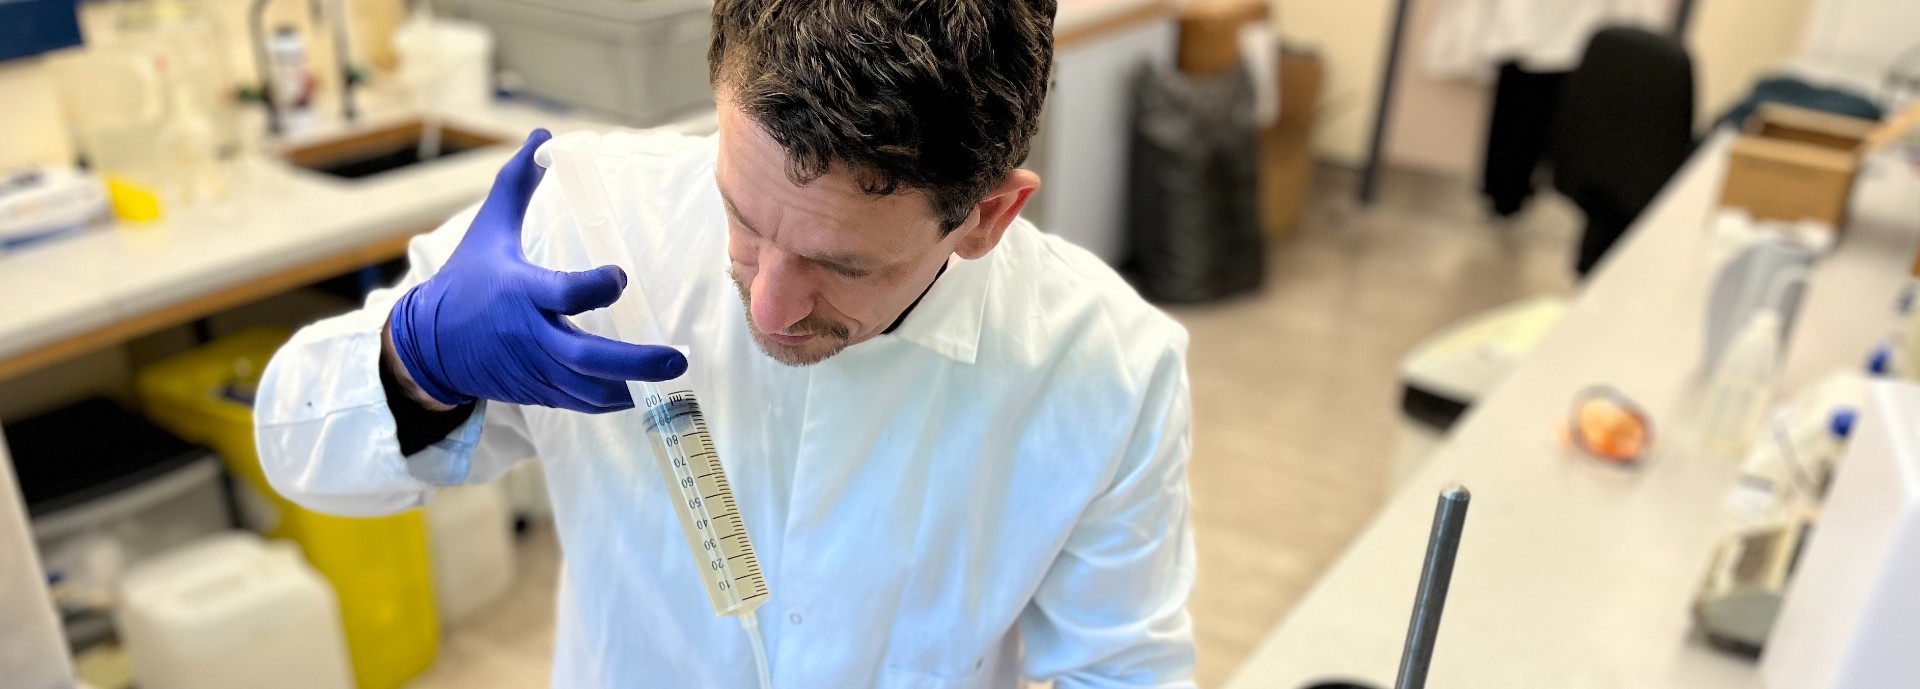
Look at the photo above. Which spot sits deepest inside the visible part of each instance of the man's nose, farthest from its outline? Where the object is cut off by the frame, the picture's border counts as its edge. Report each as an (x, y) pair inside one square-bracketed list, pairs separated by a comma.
[(781, 295)]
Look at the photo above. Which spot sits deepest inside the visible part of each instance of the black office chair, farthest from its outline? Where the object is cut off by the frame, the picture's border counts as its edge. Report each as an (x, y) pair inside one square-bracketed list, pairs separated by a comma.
[(1625, 124)]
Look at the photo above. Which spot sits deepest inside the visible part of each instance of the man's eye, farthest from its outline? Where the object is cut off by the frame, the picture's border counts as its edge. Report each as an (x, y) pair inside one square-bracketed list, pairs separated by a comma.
[(848, 273)]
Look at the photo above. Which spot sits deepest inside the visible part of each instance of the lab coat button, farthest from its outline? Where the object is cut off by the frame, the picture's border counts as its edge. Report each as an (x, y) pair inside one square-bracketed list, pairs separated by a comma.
[(793, 617)]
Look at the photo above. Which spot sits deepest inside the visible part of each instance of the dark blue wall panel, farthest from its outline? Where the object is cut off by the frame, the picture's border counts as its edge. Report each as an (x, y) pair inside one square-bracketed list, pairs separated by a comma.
[(32, 27)]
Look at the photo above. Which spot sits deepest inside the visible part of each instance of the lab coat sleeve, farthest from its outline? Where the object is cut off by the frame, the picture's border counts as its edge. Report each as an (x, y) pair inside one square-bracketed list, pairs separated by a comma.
[(1112, 609), (325, 435)]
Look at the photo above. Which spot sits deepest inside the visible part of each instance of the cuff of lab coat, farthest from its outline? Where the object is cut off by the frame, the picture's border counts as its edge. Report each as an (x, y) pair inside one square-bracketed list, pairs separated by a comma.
[(448, 461), (325, 435)]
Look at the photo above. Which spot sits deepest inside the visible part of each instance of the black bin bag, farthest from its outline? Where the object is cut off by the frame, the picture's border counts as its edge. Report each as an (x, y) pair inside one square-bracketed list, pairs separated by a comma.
[(1194, 219)]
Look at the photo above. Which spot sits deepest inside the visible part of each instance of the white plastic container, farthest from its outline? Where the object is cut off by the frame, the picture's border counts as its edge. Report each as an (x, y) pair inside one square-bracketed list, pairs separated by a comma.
[(1906, 336), (42, 203), (638, 62), (526, 485), (86, 544), (451, 56), (231, 612), (293, 89), (470, 529)]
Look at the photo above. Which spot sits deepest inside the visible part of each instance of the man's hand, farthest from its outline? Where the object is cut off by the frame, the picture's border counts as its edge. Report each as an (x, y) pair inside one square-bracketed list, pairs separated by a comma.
[(491, 325)]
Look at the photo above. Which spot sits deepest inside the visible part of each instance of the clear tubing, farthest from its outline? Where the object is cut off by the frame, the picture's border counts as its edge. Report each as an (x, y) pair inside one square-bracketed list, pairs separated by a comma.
[(751, 623)]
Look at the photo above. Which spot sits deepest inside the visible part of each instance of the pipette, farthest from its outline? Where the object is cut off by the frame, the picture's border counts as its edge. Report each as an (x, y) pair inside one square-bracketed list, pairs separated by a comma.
[(677, 431)]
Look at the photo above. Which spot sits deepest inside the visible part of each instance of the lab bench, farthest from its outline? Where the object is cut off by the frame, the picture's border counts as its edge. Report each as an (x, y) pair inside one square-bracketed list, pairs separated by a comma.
[(282, 228), (1573, 572), (285, 226)]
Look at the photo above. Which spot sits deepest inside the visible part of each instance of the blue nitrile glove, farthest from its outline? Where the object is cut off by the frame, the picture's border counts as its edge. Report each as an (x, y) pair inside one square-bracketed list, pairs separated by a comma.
[(490, 325)]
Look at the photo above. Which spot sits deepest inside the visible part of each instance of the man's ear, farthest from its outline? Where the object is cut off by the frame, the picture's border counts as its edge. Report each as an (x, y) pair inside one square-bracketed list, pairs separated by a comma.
[(990, 219)]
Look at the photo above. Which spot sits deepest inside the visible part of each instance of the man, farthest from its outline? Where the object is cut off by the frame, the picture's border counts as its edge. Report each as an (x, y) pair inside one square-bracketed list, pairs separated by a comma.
[(959, 445)]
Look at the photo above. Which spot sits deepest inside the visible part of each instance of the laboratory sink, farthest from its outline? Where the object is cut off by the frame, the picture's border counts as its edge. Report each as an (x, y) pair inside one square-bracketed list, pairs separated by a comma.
[(384, 149)]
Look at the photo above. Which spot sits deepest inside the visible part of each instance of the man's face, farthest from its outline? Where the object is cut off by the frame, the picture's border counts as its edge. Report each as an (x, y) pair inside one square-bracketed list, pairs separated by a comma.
[(820, 266)]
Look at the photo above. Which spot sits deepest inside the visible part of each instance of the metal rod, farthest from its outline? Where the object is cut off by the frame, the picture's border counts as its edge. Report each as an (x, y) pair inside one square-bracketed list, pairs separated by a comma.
[(342, 52), (1383, 110), (1449, 518), (263, 62), (1682, 19)]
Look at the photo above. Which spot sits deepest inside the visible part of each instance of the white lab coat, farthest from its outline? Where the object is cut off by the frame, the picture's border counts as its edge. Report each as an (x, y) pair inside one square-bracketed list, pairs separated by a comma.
[(1469, 39), (997, 488)]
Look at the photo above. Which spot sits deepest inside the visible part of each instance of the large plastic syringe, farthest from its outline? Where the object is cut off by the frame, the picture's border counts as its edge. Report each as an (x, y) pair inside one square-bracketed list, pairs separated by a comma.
[(677, 431)]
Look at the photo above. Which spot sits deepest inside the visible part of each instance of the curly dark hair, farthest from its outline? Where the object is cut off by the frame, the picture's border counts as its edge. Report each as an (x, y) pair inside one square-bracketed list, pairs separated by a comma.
[(942, 96)]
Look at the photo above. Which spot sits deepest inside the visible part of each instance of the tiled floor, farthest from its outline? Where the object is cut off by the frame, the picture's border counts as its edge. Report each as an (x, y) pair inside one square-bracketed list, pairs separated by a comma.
[(1296, 390), (1295, 397), (508, 645)]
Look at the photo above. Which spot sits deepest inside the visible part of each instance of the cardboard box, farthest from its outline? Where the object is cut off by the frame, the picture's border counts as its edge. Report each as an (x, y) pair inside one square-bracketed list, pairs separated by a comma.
[(1793, 164), (1286, 156), (1210, 34)]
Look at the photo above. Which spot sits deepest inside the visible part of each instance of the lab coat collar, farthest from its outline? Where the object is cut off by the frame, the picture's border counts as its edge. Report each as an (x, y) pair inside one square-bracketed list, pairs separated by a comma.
[(948, 319)]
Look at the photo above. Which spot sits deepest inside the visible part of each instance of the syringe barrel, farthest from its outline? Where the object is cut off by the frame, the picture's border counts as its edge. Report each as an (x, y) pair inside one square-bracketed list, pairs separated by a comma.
[(710, 519), (570, 160)]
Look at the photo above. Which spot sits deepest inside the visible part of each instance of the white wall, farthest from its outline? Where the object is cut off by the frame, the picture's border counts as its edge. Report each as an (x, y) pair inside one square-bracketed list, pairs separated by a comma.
[(1351, 36), (34, 133), (1437, 125), (1863, 36), (1440, 126), (1734, 42)]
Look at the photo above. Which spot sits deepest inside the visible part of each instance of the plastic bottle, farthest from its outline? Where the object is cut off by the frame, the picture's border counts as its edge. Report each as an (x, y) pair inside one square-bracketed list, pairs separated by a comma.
[(1880, 361), (191, 145), (1905, 341), (1825, 457), (1742, 387), (292, 89)]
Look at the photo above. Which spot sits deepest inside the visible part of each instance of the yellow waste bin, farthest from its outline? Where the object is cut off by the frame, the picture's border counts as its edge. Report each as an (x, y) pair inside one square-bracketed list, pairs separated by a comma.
[(379, 567)]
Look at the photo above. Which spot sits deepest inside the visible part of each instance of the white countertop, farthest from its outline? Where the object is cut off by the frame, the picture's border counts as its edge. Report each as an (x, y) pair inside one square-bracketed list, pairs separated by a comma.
[(277, 218), (1574, 574)]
